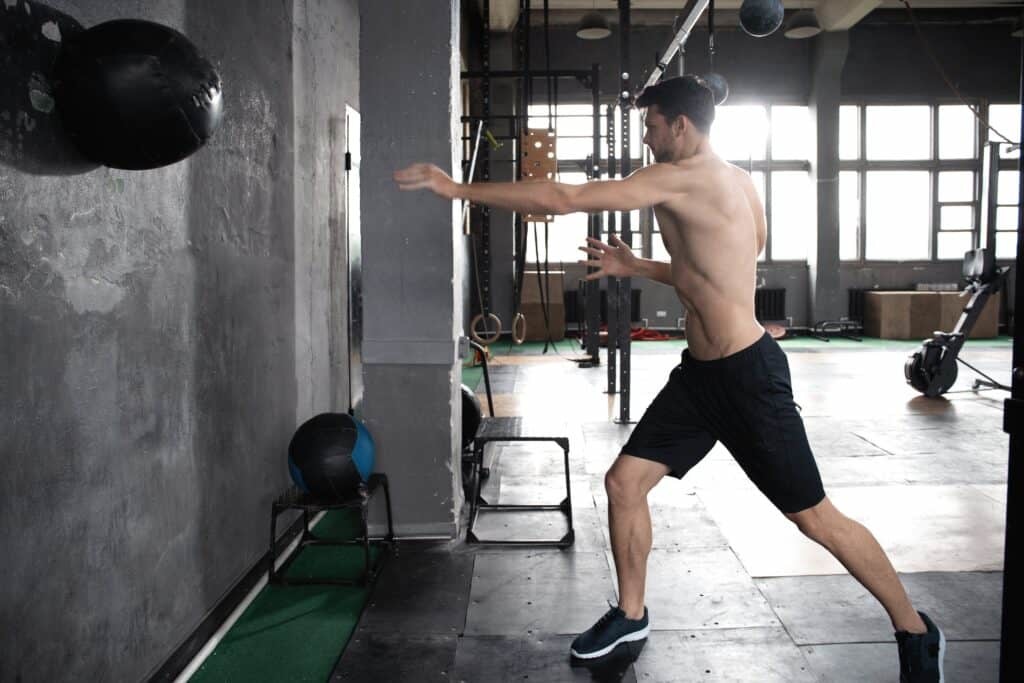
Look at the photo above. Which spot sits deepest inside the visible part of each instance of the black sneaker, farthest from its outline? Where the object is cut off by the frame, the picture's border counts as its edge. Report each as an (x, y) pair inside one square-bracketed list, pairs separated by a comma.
[(609, 631), (921, 654)]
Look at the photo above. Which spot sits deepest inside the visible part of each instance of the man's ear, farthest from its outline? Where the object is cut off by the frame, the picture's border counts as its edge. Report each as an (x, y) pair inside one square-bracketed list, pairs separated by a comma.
[(680, 124)]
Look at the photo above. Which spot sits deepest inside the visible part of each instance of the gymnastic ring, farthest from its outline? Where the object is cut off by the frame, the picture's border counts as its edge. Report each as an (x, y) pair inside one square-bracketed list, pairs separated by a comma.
[(519, 322), (492, 337)]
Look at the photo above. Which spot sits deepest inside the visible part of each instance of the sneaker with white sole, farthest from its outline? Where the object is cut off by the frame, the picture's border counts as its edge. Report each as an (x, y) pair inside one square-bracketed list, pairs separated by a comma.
[(610, 631), (921, 654)]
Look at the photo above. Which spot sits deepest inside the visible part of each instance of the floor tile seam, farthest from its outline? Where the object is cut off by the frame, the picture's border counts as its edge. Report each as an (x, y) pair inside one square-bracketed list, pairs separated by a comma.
[(848, 575), (869, 441), (764, 596), (890, 642)]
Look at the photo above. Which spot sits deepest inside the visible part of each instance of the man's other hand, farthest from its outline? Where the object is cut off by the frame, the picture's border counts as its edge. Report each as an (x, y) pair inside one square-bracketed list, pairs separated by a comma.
[(611, 260)]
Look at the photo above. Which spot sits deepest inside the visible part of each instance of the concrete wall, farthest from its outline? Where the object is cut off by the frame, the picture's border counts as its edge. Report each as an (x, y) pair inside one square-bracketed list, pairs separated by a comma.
[(413, 258), (158, 343)]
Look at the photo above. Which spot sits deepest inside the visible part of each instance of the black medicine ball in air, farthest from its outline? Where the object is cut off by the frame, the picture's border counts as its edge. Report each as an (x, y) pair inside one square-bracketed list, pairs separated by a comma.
[(760, 18), (136, 95)]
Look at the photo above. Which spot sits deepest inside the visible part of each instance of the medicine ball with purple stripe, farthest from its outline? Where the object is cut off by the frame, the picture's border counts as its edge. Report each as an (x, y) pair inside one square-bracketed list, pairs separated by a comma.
[(330, 455)]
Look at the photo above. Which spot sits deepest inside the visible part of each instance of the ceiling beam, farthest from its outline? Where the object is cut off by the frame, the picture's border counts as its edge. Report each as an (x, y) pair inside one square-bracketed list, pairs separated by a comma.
[(840, 15)]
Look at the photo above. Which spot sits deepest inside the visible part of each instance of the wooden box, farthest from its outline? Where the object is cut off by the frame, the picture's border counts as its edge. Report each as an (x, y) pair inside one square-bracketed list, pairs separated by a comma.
[(901, 315), (534, 313)]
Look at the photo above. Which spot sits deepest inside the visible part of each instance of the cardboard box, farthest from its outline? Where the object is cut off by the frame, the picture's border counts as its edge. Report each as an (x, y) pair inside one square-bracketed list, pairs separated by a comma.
[(534, 313), (901, 315), (952, 305), (918, 315)]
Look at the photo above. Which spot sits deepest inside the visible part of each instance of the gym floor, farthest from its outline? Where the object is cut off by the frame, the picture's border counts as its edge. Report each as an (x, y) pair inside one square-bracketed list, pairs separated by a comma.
[(734, 591)]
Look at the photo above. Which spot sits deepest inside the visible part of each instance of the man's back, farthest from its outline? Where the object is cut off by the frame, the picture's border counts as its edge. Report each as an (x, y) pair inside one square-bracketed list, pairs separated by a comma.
[(714, 230)]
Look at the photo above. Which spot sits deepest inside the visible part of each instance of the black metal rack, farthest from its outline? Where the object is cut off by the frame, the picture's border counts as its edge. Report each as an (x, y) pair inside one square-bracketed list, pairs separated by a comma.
[(294, 499), (496, 429)]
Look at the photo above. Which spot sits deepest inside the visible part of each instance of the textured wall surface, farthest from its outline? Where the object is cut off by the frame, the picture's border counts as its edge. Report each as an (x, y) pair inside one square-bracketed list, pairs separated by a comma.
[(156, 356)]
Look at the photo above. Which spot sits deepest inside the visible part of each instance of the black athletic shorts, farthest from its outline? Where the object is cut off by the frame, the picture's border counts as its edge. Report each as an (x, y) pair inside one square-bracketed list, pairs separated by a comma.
[(745, 401)]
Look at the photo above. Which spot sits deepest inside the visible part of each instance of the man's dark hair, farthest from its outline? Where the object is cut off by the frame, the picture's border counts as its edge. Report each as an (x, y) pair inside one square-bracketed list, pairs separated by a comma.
[(687, 95)]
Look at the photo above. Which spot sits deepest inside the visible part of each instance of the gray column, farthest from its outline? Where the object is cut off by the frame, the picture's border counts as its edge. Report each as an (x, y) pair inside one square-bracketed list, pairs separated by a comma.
[(413, 260), (825, 298)]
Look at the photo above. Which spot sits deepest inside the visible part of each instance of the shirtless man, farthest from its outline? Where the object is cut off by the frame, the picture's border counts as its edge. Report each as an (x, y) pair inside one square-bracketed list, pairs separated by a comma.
[(733, 384)]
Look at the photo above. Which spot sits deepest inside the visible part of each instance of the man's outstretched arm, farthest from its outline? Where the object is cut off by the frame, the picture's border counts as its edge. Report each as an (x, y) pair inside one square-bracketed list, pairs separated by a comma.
[(646, 187)]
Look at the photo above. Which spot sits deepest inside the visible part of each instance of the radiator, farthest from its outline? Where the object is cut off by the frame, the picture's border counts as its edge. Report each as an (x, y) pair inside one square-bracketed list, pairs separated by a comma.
[(855, 304), (770, 304)]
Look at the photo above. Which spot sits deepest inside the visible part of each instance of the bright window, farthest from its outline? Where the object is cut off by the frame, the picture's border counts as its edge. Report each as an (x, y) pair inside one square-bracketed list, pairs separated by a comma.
[(1007, 199), (758, 178), (792, 134), (849, 132), (849, 214), (898, 132), (956, 217), (1007, 187), (957, 132), (740, 132), (956, 186), (565, 233), (793, 214), (897, 216), (1005, 118), (1006, 245), (574, 129), (952, 245)]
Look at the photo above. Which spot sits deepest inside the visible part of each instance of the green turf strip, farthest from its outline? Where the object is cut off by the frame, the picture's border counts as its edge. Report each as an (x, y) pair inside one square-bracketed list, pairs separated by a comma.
[(297, 633)]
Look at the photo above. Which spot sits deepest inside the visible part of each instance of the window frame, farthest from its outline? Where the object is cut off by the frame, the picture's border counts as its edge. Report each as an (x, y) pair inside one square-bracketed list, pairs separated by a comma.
[(934, 165)]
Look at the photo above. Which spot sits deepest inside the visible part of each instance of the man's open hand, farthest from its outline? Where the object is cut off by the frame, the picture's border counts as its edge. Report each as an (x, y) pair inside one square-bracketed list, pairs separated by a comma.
[(611, 260), (426, 177)]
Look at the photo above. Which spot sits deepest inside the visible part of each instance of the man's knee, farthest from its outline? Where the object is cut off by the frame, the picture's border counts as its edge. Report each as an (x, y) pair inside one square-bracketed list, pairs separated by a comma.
[(819, 523), (622, 488), (630, 479)]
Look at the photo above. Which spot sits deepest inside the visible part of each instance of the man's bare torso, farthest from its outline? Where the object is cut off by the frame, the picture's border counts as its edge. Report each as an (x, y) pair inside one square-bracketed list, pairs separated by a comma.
[(713, 232)]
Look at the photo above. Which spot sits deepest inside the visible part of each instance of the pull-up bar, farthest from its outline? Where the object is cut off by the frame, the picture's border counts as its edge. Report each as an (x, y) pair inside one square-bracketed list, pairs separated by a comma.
[(678, 41)]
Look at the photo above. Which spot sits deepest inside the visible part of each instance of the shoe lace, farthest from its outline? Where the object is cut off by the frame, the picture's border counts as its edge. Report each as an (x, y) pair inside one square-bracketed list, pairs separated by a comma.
[(609, 615)]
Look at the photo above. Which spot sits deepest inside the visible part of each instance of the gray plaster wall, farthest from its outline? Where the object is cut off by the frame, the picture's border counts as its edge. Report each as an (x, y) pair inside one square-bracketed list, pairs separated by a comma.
[(413, 258), (156, 346)]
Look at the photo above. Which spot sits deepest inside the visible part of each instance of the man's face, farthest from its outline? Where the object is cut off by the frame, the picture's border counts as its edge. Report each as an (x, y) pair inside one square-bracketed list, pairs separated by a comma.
[(658, 135)]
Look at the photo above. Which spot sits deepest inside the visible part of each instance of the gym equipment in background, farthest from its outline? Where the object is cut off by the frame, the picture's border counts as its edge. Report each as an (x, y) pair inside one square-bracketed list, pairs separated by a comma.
[(331, 456), (136, 95), (715, 81), (932, 369)]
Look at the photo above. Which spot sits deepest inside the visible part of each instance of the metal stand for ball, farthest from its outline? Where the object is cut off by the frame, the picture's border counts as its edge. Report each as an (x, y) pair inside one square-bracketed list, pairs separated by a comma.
[(294, 499)]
